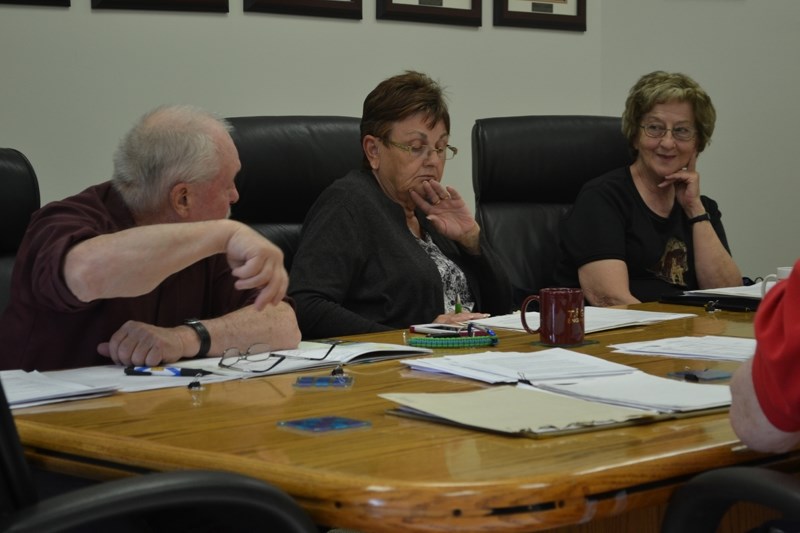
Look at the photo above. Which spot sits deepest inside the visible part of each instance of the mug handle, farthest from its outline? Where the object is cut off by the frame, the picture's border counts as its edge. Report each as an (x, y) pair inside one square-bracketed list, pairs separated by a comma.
[(768, 278), (524, 307)]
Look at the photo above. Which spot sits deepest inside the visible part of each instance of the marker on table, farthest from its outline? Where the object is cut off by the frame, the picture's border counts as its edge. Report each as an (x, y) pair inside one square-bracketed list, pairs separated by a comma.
[(459, 307), (475, 330), (169, 371)]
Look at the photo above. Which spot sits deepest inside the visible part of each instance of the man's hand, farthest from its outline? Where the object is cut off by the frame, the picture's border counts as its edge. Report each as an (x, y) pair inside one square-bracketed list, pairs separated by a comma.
[(259, 265), (140, 344)]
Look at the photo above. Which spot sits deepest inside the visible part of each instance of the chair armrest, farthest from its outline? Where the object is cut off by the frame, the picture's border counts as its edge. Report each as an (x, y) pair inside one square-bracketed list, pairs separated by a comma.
[(700, 504), (230, 495)]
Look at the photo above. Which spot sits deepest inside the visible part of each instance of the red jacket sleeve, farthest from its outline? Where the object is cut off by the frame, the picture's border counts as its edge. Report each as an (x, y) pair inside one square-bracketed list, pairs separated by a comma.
[(776, 365)]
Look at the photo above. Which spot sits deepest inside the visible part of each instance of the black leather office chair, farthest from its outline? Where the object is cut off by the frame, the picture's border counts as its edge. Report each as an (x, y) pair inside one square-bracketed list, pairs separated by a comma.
[(526, 173), (19, 198), (287, 161), (699, 505), (154, 501)]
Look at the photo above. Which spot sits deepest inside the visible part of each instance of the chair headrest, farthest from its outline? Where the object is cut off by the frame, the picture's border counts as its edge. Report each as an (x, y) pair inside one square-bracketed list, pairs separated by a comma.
[(546, 159), (287, 161), (19, 197)]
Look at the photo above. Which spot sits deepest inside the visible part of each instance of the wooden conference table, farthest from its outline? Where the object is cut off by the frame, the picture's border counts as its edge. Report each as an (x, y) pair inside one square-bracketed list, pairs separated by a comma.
[(402, 474)]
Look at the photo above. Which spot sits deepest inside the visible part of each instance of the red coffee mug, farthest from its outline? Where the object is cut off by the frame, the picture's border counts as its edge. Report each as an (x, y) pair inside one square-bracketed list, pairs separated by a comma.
[(560, 316)]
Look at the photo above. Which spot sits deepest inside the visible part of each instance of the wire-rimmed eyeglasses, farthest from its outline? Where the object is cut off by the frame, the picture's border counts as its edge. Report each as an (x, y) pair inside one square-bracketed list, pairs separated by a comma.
[(257, 359), (657, 131), (424, 150), (260, 359)]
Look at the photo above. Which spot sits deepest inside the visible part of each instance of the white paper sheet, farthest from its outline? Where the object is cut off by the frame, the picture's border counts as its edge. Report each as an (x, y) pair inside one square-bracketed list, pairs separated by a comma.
[(644, 391), (114, 376), (595, 319), (509, 367), (707, 347), (24, 389), (745, 291)]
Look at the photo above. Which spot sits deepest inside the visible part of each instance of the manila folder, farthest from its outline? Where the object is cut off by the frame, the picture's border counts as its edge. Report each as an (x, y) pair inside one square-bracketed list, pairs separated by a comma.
[(514, 410)]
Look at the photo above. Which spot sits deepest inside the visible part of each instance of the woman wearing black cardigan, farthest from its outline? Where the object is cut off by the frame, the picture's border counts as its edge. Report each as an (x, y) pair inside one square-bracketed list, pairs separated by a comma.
[(389, 246)]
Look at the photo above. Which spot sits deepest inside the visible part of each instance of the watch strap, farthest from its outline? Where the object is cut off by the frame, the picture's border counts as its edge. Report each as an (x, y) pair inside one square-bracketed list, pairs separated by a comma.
[(699, 218), (202, 334)]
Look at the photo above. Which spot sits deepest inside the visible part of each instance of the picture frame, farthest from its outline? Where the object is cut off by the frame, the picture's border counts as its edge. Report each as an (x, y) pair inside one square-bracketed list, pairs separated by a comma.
[(435, 11), (217, 6), (349, 9), (54, 3), (567, 15)]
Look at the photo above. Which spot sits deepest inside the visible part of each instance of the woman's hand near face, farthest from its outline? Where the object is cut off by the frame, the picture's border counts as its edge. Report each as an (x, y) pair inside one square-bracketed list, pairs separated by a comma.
[(687, 188), (449, 214)]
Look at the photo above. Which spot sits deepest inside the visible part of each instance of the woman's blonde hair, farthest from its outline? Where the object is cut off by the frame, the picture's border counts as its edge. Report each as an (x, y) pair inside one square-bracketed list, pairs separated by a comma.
[(661, 87)]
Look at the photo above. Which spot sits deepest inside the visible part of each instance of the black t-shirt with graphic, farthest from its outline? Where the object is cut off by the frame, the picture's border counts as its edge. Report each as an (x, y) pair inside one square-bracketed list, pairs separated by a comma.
[(610, 220)]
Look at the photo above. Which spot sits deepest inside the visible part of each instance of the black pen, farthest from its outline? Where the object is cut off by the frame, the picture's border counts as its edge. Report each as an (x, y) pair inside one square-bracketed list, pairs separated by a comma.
[(169, 371)]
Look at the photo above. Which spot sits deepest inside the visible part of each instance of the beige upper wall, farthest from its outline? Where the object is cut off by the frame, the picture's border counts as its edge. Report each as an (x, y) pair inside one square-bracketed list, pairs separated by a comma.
[(75, 79)]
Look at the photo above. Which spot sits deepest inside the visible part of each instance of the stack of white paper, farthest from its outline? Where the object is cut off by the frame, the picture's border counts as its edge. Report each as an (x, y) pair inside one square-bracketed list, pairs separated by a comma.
[(509, 367), (580, 376), (26, 389), (745, 291), (114, 376), (707, 347), (595, 319), (644, 391)]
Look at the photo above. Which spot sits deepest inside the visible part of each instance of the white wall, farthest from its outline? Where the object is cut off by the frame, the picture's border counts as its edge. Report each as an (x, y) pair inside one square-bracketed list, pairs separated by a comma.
[(73, 81)]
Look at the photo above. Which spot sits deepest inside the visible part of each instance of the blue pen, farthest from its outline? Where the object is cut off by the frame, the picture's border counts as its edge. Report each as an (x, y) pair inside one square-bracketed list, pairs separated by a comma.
[(169, 371)]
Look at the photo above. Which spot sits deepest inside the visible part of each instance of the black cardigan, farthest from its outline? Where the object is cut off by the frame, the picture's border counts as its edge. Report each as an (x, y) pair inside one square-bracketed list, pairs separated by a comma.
[(359, 269)]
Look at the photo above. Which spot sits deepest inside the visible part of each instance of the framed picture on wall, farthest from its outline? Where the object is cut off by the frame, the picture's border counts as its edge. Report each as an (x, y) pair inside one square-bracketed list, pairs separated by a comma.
[(461, 12), (349, 9), (551, 14), (58, 3), (220, 6)]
